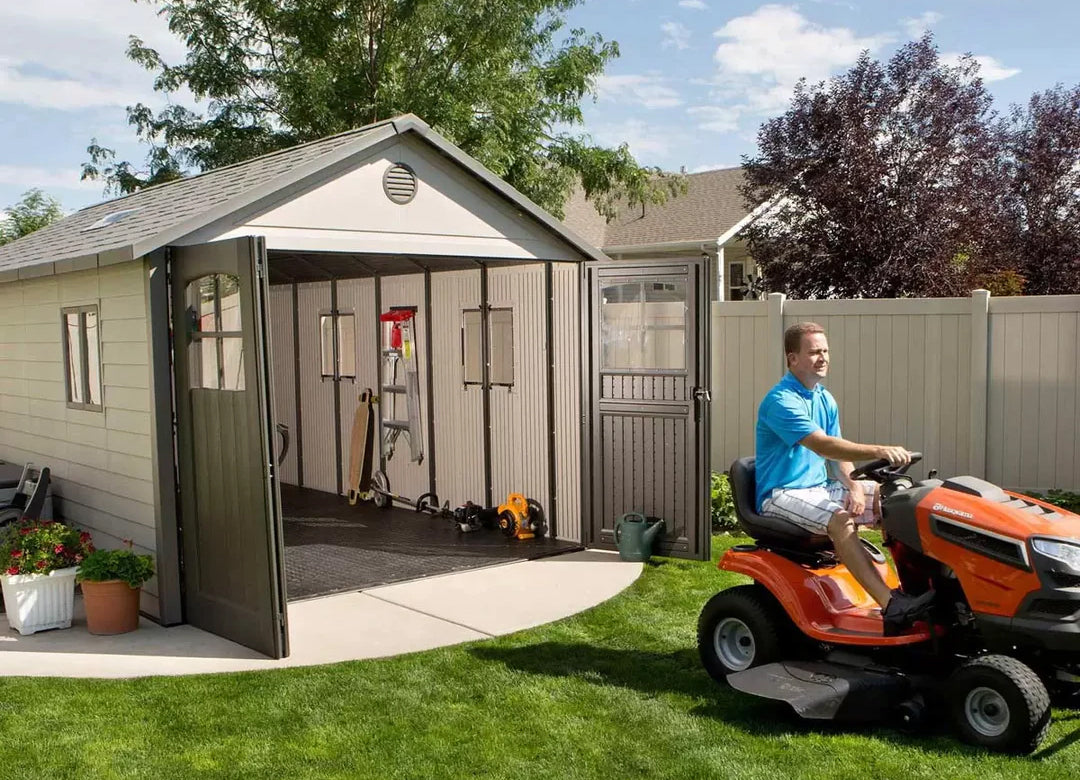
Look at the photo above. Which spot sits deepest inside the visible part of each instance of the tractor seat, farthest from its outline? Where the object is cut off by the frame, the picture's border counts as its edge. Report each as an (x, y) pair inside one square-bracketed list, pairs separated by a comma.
[(763, 528)]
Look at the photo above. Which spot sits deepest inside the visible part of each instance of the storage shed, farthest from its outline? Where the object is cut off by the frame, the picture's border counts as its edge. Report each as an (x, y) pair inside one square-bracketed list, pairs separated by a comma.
[(159, 350)]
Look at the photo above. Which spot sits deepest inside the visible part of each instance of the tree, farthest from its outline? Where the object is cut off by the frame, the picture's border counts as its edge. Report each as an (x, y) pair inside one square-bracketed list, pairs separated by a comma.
[(887, 182), (491, 75), (1043, 152), (34, 211)]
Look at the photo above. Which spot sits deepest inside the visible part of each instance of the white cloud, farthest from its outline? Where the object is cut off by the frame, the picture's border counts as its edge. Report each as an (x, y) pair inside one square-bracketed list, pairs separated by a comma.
[(70, 54), (647, 142), (649, 91), (762, 56), (989, 68), (918, 25), (718, 119), (675, 34), (695, 5), (27, 177)]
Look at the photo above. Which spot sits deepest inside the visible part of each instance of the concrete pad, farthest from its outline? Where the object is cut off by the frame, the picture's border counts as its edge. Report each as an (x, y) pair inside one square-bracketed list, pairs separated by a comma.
[(515, 596), (389, 620)]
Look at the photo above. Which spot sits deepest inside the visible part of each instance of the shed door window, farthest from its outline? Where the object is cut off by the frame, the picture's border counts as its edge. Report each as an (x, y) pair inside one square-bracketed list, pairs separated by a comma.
[(472, 346), (82, 357), (337, 340), (216, 354), (643, 324), (501, 340)]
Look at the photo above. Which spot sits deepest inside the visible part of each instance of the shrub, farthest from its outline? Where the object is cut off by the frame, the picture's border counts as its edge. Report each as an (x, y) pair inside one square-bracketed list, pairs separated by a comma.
[(722, 506), (1061, 498), (123, 564)]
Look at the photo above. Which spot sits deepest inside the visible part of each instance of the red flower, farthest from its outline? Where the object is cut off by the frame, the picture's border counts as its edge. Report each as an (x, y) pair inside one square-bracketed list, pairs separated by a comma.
[(16, 553), (42, 564), (78, 559), (59, 549), (25, 531), (84, 537), (13, 570)]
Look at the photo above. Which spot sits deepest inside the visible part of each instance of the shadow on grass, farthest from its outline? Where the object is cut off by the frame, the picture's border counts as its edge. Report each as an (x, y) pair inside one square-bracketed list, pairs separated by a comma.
[(681, 673)]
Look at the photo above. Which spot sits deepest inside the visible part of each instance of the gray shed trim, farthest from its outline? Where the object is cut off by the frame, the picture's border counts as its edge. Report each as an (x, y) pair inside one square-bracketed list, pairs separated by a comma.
[(167, 212)]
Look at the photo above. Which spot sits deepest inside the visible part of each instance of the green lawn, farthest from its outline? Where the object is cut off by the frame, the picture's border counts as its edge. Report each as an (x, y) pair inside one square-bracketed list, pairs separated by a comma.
[(616, 692)]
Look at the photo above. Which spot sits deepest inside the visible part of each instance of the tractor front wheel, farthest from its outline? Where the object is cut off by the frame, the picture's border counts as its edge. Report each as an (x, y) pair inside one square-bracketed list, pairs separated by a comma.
[(999, 703)]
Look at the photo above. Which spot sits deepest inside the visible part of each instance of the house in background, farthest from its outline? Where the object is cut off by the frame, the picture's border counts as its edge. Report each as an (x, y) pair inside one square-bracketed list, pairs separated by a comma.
[(705, 220)]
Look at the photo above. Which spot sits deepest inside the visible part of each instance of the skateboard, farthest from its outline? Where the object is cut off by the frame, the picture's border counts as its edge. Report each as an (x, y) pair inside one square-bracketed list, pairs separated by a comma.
[(360, 449)]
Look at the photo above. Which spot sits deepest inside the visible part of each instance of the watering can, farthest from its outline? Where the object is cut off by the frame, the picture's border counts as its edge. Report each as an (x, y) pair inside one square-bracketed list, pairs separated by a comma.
[(634, 535)]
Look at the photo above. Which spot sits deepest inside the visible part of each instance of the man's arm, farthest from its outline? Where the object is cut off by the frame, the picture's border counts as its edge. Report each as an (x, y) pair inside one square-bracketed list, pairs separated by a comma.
[(844, 451)]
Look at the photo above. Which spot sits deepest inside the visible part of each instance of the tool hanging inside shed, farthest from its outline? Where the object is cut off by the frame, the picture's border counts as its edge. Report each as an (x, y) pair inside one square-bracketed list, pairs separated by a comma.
[(401, 382)]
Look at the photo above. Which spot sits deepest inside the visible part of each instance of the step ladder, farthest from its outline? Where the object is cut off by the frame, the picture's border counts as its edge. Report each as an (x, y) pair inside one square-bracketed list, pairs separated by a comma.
[(401, 382)]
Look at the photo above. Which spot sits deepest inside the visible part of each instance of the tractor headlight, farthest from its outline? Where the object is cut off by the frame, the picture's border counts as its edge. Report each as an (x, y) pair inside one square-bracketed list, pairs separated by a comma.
[(1065, 552)]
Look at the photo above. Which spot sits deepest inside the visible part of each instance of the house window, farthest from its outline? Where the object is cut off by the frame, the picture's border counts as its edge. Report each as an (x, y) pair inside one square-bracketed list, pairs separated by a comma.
[(736, 281), (643, 324), (82, 357), (216, 354), (337, 334), (496, 368), (501, 343), (472, 347)]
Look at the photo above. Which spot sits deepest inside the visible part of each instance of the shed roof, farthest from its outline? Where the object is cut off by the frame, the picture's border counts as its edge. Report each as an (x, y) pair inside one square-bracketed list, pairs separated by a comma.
[(711, 206), (166, 212)]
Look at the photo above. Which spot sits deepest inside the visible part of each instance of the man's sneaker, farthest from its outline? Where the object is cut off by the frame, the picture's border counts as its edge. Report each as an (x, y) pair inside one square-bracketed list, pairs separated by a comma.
[(902, 610)]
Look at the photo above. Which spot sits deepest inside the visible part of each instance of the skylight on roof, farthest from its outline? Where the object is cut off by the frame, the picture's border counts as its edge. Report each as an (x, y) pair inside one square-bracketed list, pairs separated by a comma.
[(110, 219)]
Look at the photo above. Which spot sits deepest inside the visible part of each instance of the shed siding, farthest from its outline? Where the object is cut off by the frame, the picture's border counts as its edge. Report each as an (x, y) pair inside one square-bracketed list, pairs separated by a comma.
[(458, 410), (283, 371), (519, 424), (566, 324), (101, 462), (357, 297), (316, 394)]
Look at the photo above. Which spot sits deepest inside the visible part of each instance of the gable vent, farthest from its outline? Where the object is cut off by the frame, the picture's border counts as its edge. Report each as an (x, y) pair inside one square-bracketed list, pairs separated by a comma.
[(399, 183)]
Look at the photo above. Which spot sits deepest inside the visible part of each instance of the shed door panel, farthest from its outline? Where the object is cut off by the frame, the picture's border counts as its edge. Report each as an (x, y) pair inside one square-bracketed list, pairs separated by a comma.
[(648, 401), (229, 503)]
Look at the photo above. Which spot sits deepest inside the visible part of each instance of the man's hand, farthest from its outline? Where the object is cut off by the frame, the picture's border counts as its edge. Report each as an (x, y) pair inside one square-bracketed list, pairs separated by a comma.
[(855, 503), (897, 456)]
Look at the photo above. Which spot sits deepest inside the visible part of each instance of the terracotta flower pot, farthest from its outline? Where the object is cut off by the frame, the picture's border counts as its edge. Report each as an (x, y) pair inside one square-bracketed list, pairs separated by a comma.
[(112, 606)]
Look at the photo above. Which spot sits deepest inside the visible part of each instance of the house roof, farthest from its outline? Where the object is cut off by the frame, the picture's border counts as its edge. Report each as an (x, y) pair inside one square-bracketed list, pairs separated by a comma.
[(166, 212), (710, 207)]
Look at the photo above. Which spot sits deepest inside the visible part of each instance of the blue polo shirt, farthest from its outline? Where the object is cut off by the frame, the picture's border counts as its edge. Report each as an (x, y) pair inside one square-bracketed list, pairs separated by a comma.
[(788, 414)]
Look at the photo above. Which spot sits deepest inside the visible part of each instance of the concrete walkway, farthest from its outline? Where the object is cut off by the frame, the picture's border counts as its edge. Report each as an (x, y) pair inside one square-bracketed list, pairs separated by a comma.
[(384, 621)]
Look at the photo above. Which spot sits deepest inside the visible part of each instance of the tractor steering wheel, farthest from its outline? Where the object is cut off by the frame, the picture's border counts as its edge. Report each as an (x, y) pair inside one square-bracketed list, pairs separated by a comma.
[(882, 471)]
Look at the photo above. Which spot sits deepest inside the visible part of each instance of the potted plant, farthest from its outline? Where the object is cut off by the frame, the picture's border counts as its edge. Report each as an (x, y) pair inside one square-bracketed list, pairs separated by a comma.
[(39, 559), (111, 582)]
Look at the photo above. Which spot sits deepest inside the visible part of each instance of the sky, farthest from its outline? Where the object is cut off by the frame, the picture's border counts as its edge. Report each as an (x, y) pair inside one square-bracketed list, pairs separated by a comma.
[(694, 81)]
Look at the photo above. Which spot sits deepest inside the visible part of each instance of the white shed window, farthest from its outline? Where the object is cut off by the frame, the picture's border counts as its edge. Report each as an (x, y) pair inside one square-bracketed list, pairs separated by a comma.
[(736, 281), (472, 347), (82, 357), (501, 341), (496, 367), (337, 338)]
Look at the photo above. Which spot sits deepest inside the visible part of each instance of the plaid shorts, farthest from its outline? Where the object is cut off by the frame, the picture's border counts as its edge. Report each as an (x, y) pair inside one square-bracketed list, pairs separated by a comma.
[(813, 508)]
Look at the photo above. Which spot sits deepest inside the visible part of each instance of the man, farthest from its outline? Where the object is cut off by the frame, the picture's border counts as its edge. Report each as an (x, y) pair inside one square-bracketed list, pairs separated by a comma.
[(798, 436)]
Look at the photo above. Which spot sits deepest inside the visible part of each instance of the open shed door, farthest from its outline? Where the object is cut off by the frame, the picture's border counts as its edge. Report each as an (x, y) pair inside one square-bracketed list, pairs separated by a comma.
[(647, 392), (230, 508)]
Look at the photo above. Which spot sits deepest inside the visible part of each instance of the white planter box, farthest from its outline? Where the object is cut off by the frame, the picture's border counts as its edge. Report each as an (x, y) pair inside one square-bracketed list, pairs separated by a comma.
[(35, 602)]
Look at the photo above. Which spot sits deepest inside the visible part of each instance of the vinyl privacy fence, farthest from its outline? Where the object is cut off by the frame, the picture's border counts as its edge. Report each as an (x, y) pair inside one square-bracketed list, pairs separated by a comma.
[(980, 385)]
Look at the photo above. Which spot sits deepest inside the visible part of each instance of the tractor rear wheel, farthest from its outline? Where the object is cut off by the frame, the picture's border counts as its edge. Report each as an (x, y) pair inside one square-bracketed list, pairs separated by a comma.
[(740, 628)]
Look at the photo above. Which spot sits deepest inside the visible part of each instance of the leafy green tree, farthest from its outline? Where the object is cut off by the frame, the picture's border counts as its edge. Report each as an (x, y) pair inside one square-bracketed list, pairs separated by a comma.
[(499, 78), (34, 211)]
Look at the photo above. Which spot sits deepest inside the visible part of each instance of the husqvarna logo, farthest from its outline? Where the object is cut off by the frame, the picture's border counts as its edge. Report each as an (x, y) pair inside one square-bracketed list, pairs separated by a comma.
[(951, 511)]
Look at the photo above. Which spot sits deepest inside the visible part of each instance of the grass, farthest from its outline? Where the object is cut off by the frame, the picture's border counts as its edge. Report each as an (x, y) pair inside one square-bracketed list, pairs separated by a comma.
[(614, 692)]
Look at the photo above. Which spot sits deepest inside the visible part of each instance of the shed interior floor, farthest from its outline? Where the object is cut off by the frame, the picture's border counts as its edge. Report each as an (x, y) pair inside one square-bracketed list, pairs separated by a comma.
[(332, 547)]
